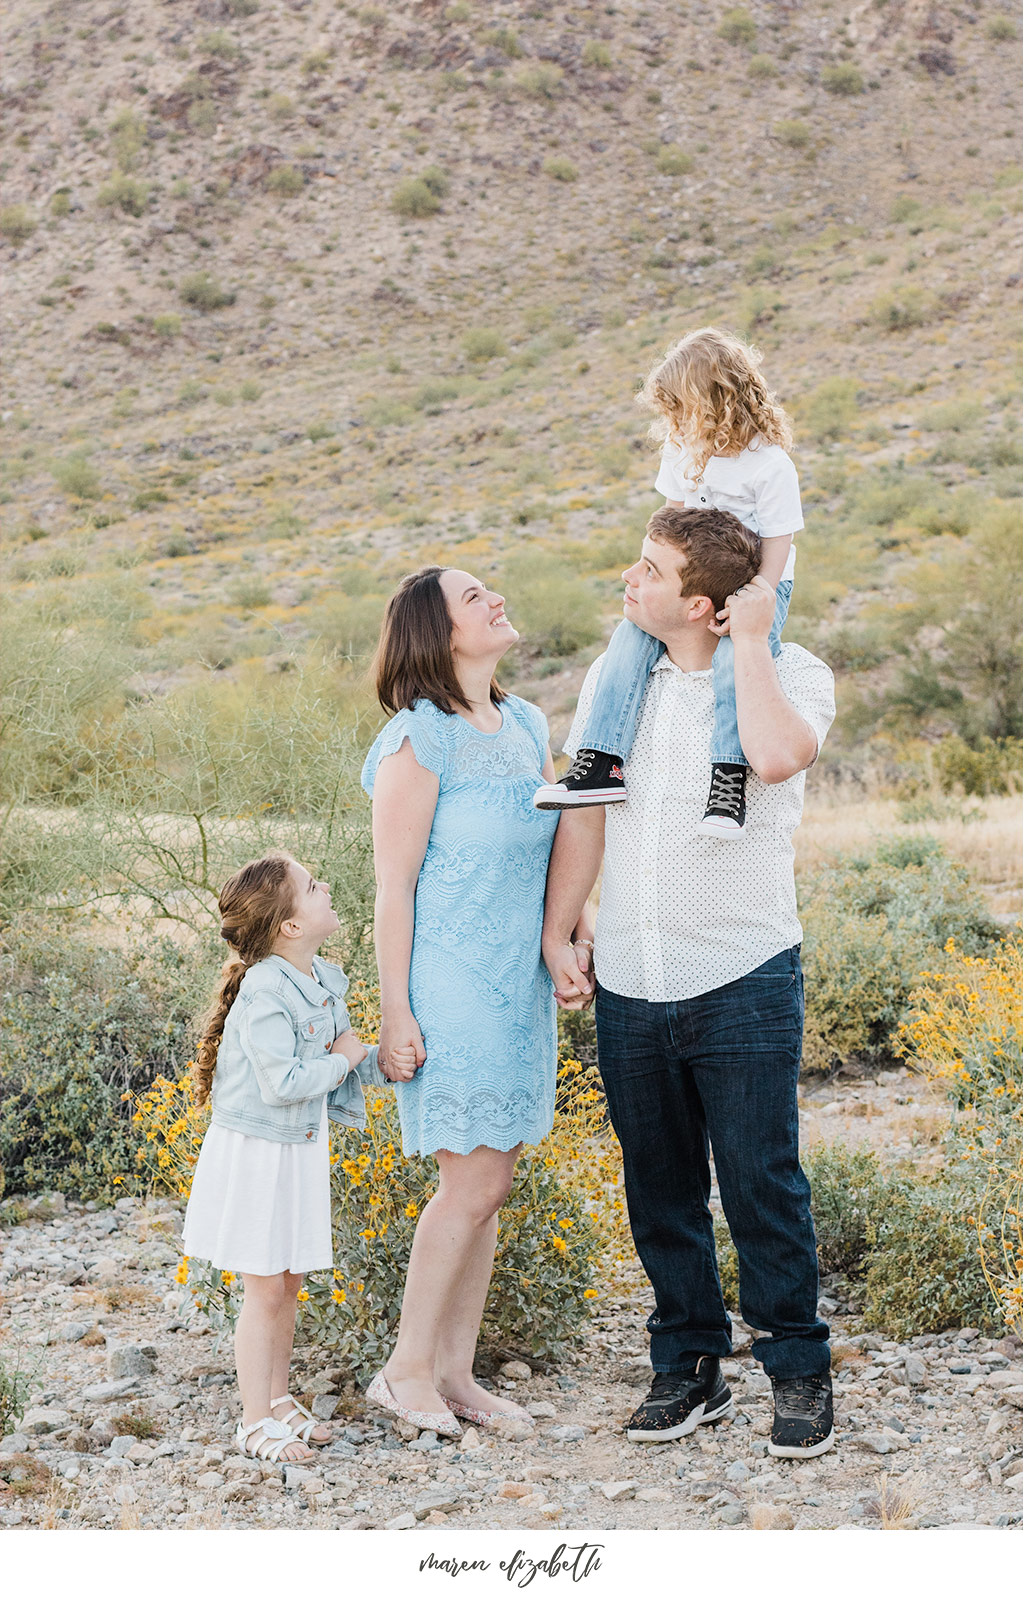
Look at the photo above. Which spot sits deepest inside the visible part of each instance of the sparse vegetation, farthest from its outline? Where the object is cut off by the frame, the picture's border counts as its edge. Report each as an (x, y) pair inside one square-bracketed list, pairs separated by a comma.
[(483, 344), (285, 181), (792, 132), (415, 198), (541, 80), (842, 77), (17, 223), (77, 477), (561, 168), (202, 290), (673, 161), (738, 27)]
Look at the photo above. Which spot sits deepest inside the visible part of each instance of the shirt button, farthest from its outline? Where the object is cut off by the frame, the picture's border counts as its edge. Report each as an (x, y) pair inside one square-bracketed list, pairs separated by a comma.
[(327, 1047), (309, 1136), (327, 1001)]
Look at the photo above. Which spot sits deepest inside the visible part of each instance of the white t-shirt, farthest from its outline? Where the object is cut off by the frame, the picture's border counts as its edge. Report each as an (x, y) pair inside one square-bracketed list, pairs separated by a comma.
[(681, 914), (759, 486)]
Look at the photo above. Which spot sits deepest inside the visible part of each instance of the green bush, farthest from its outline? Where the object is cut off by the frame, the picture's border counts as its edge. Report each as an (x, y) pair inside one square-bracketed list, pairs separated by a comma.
[(81, 1027), (561, 168), (167, 325), (483, 344), (848, 1195), (993, 766), (762, 67), (1001, 28), (672, 161), (414, 198), (902, 308), (923, 1272), (842, 77), (542, 80), (503, 39), (77, 476), (430, 397), (792, 132), (203, 291), (737, 27), (437, 181), (828, 410), (128, 194), (286, 181), (14, 1392), (17, 223), (596, 54), (871, 926), (555, 612)]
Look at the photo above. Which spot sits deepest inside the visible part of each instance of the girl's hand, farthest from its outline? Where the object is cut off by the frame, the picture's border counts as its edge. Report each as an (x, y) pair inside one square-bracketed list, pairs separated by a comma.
[(346, 1044), (401, 1045), (401, 1066)]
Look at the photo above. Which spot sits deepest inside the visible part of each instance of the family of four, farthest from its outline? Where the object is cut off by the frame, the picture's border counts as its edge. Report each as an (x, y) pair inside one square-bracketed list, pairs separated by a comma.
[(689, 747)]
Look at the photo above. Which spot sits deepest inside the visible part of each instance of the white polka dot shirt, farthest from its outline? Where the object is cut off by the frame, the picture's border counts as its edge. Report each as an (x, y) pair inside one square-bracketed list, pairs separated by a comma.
[(681, 914)]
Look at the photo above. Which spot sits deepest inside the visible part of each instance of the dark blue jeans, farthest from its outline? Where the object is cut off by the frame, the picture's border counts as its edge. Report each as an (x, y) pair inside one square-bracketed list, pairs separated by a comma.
[(719, 1070)]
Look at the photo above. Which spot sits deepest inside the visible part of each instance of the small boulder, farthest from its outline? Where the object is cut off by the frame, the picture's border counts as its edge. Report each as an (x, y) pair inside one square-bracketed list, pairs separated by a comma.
[(516, 1370), (764, 1515)]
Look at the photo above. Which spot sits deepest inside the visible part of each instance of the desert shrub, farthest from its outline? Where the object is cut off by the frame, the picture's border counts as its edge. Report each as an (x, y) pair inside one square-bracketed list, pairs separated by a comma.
[(737, 27), (286, 181), (848, 1194), (792, 132), (128, 194), (203, 291), (503, 39), (250, 592), (483, 344), (541, 80), (555, 612), (138, 1422), (349, 622), (76, 476), (128, 137), (167, 324), (672, 161), (316, 63), (218, 42), (728, 1264), (762, 67), (842, 77), (922, 1272), (904, 208), (437, 181), (1000, 28), (828, 410), (561, 168), (14, 1392), (414, 198), (993, 766), (596, 54), (82, 1028), (243, 8), (17, 223), (871, 925), (60, 204), (430, 397), (249, 389), (902, 308)]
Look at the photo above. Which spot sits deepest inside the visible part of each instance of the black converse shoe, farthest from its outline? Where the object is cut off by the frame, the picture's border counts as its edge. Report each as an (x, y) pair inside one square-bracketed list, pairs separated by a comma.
[(727, 803), (803, 1416), (678, 1401), (594, 779)]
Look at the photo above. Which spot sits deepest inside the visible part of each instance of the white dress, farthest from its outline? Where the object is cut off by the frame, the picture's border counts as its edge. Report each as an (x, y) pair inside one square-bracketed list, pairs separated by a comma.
[(259, 1205)]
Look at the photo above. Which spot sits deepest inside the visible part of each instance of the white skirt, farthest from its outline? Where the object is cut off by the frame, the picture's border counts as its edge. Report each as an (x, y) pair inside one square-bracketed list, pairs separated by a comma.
[(261, 1206)]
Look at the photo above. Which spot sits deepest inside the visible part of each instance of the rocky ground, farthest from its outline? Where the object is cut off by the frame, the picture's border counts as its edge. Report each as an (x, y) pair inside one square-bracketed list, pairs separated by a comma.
[(928, 1431)]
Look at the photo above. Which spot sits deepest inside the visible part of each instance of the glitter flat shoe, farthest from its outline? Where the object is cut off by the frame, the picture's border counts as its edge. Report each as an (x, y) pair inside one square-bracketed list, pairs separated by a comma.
[(470, 1414), (378, 1393)]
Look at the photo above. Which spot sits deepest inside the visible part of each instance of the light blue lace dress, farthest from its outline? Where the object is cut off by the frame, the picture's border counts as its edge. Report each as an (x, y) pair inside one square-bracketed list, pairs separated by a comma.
[(477, 985)]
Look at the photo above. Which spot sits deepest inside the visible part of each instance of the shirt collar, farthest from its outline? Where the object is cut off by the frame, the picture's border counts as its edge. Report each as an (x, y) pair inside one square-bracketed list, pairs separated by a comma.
[(327, 978), (665, 663)]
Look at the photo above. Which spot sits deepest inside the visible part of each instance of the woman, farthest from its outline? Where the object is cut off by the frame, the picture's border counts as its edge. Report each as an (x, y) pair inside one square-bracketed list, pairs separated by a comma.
[(461, 857)]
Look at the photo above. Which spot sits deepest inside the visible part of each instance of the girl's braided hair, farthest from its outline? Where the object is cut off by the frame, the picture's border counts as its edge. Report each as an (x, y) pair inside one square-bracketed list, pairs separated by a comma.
[(253, 904)]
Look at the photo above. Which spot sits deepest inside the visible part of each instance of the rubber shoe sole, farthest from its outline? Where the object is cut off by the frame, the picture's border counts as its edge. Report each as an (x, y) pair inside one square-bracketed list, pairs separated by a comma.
[(795, 1452), (688, 1425), (556, 799), (721, 828)]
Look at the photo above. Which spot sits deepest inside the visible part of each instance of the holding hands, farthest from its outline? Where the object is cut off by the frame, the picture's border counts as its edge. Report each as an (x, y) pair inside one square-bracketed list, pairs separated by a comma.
[(401, 1047), (571, 967)]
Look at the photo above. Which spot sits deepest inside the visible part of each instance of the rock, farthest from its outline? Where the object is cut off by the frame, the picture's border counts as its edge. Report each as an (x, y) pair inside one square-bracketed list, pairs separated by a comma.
[(104, 1223), (131, 1361), (72, 1332), (324, 1406), (406, 1430), (1006, 1378), (210, 1480), (514, 1491), (140, 1453), (654, 1493), (565, 1433), (765, 1515), (881, 1443), (731, 1515), (103, 1269), (517, 1370), (440, 1500), (470, 1440), (14, 1444), (551, 1510), (405, 1519), (297, 1477), (1015, 1483), (624, 1490), (915, 1371), (514, 1429), (44, 1419), (737, 1472), (41, 1207), (541, 1408), (110, 1391), (427, 1441)]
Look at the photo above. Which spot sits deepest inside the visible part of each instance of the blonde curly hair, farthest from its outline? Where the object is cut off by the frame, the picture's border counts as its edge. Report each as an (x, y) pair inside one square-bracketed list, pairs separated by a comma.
[(708, 395)]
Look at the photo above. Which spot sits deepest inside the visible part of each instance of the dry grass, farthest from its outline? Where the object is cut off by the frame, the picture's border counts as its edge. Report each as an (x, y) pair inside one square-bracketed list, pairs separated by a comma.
[(838, 823), (897, 1501)]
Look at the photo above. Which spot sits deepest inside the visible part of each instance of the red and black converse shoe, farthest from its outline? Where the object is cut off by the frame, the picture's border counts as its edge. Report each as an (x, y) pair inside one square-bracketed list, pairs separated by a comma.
[(727, 802), (594, 779)]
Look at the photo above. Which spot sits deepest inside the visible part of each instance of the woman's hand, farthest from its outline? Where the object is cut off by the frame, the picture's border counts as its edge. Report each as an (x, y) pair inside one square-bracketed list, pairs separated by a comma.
[(401, 1047), (346, 1044), (571, 967)]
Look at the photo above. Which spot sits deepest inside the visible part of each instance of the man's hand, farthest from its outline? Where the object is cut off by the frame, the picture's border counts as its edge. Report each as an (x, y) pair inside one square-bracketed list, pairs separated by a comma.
[(749, 613), (572, 972)]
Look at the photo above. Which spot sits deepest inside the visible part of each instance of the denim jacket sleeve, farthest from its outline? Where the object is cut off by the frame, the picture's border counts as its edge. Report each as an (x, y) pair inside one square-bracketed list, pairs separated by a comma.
[(267, 1036), (345, 1103)]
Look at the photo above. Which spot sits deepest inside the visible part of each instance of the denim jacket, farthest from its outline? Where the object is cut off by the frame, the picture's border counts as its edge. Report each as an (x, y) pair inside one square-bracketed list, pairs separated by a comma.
[(274, 1063)]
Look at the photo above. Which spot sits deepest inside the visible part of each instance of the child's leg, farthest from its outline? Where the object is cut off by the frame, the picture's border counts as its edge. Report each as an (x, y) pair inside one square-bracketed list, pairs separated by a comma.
[(612, 722), (725, 735), (266, 1319), (281, 1374)]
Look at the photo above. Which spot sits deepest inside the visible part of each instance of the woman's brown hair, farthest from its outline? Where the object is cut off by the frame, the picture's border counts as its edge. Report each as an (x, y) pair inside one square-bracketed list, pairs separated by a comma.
[(414, 659), (253, 904)]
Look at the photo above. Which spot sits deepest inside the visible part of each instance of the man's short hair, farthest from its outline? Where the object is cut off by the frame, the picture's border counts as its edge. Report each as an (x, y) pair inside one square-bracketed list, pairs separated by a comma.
[(721, 552)]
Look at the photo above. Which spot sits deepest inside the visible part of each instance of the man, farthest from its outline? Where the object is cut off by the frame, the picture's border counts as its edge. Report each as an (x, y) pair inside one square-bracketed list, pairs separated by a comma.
[(699, 990)]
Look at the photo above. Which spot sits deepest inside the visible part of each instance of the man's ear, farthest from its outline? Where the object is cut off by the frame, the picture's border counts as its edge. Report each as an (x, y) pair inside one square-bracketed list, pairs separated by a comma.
[(698, 606)]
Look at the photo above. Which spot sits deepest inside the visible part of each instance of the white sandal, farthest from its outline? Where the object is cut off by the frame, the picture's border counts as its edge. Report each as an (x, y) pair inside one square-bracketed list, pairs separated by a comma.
[(305, 1429), (275, 1436)]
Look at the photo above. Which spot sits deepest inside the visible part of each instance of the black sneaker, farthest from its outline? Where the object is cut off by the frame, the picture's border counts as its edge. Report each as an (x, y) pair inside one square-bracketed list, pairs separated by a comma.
[(803, 1417), (678, 1401), (594, 779), (727, 802)]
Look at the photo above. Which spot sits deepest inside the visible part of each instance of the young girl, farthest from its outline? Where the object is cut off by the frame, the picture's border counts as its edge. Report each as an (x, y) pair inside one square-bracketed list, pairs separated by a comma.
[(278, 1034), (725, 443)]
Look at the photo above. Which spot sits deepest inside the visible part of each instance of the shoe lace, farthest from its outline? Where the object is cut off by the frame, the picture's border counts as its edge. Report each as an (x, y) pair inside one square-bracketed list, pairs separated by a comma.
[(798, 1397), (581, 765), (726, 791), (668, 1384)]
